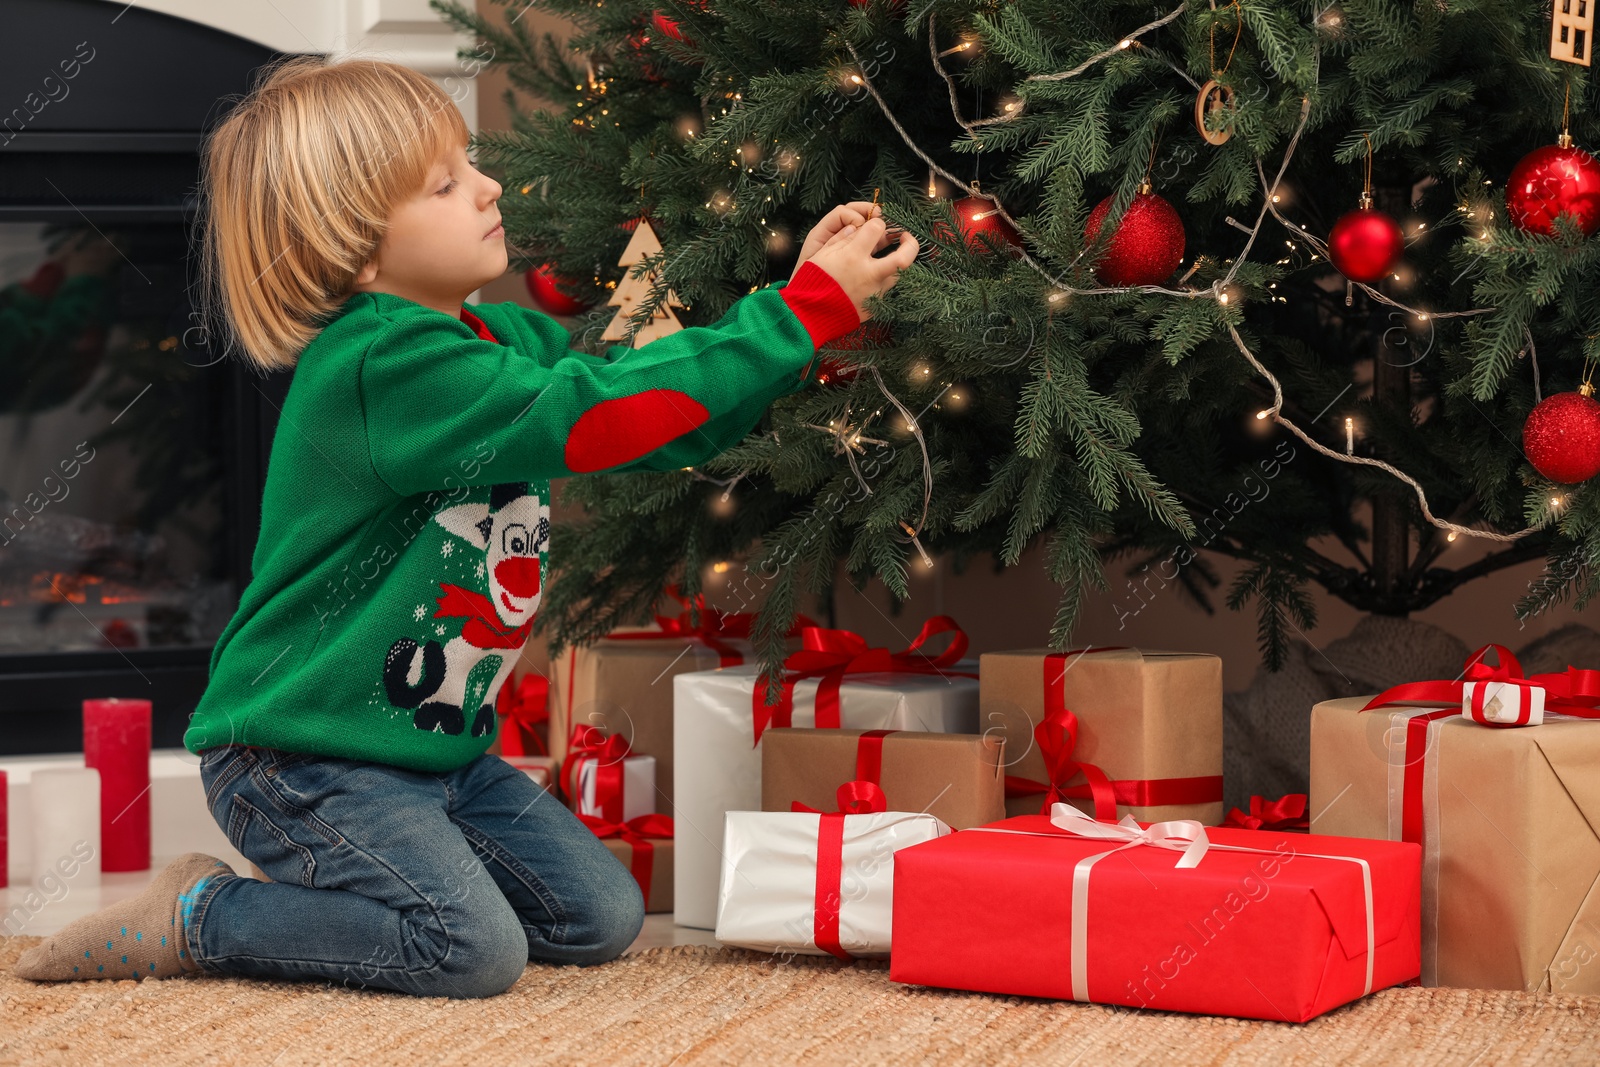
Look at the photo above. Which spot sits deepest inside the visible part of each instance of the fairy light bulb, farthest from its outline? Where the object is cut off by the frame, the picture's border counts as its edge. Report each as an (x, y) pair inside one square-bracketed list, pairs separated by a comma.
[(1349, 436)]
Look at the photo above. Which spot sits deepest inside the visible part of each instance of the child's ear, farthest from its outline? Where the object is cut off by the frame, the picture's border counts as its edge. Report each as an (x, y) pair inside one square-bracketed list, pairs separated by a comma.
[(367, 274)]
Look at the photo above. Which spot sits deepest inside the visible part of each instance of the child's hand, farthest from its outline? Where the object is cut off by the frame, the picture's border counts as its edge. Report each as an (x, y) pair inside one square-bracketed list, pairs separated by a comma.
[(848, 258), (854, 213)]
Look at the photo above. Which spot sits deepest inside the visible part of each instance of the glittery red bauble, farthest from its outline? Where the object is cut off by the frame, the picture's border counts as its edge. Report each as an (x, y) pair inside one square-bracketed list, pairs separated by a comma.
[(1147, 247), (1552, 181), (1365, 244), (977, 217), (550, 300), (1562, 437)]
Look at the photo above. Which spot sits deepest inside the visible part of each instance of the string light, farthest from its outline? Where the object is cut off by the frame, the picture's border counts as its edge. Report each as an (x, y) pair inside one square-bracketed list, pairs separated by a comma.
[(1263, 413), (1349, 436)]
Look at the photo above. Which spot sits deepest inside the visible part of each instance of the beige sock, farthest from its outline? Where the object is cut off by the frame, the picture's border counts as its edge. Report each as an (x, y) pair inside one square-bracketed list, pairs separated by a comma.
[(138, 938)]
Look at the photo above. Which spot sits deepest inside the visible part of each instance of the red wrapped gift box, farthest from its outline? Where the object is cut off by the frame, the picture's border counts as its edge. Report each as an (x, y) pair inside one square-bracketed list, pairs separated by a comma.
[(1263, 926)]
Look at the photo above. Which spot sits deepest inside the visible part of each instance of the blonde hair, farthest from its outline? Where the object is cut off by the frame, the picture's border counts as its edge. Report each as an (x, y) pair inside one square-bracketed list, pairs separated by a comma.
[(297, 187)]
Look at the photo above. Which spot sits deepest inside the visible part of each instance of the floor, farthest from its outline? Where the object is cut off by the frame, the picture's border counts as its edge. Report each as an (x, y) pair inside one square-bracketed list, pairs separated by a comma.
[(29, 912)]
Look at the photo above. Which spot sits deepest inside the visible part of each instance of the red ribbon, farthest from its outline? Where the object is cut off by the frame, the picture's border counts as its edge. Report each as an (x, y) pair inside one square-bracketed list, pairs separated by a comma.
[(608, 751), (854, 798), (1571, 692), (1288, 812), (636, 832), (869, 756), (523, 706), (832, 654), (1057, 737), (712, 624)]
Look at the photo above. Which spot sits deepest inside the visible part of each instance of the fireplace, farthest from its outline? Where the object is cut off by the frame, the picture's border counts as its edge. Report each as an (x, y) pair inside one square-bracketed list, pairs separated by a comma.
[(132, 454)]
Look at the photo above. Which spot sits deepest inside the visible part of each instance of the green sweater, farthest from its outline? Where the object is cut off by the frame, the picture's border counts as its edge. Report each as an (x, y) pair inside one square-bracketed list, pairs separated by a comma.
[(405, 523)]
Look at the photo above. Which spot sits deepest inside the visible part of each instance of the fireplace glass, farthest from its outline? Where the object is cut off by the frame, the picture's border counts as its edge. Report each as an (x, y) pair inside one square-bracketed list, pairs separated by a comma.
[(113, 443)]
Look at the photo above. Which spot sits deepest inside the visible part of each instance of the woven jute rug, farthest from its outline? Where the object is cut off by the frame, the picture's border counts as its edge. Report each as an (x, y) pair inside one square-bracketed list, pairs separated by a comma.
[(693, 1005)]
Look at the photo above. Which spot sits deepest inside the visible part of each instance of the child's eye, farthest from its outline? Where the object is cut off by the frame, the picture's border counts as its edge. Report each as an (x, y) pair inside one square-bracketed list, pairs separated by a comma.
[(449, 186)]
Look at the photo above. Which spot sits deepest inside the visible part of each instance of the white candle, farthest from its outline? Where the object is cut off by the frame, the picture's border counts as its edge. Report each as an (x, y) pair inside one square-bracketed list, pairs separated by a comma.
[(65, 805)]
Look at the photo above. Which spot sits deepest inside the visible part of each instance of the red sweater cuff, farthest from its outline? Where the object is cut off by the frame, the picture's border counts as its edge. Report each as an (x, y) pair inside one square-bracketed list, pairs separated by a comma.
[(820, 304)]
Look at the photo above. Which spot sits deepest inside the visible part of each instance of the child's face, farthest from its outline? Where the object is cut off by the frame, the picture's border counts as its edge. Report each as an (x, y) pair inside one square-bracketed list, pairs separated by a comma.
[(444, 241)]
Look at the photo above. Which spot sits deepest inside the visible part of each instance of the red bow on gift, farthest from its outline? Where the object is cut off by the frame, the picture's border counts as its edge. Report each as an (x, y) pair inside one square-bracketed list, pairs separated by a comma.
[(714, 625), (608, 751), (1057, 738), (832, 654), (636, 832), (1288, 812), (854, 798), (523, 706)]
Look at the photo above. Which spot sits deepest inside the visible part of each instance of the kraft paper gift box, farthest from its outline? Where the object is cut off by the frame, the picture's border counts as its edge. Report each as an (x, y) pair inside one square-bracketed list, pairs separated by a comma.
[(814, 883), (1264, 925), (622, 684), (959, 778), (1150, 724), (718, 737), (542, 769), (1508, 820), (644, 846)]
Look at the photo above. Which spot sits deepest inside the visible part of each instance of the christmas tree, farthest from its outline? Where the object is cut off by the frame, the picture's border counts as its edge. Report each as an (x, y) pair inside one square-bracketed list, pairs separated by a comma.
[(1178, 259)]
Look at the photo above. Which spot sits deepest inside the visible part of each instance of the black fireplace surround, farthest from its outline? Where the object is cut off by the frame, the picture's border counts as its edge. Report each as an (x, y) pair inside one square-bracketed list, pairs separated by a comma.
[(132, 454)]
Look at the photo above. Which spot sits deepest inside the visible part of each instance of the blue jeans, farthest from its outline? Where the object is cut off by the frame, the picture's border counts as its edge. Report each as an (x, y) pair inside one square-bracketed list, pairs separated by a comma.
[(432, 884)]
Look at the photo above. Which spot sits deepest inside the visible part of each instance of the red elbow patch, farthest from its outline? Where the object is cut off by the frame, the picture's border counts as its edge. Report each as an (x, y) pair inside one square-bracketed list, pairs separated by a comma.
[(622, 430)]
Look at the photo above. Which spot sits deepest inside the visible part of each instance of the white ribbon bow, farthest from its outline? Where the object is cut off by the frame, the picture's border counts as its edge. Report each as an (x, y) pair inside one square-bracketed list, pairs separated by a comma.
[(1178, 835)]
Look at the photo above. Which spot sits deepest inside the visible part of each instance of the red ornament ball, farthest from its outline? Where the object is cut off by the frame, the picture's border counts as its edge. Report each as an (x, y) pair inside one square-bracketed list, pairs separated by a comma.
[(1147, 247), (1562, 437), (1365, 244), (978, 217), (1552, 181), (541, 282)]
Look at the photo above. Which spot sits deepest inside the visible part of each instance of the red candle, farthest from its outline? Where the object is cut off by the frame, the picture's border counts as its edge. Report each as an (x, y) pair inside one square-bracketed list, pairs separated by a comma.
[(116, 742)]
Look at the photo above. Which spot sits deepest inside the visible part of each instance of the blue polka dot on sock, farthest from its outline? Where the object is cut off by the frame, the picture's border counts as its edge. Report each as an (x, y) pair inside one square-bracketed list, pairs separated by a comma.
[(102, 967), (138, 937), (85, 953), (163, 939), (152, 966), (108, 944), (124, 931), (124, 959), (180, 953), (74, 970)]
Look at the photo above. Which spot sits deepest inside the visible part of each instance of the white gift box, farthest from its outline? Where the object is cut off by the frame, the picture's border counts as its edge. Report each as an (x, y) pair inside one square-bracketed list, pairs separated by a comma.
[(1503, 702), (769, 894), (717, 764), (638, 786)]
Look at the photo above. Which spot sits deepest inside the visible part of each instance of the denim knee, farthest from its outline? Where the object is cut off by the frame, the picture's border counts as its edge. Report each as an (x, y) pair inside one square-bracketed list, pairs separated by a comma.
[(616, 915), (486, 952)]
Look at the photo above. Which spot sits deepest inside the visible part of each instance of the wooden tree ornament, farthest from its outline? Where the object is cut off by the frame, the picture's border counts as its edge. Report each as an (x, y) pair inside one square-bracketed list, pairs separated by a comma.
[(631, 292)]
